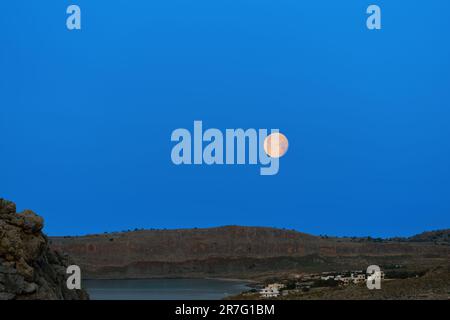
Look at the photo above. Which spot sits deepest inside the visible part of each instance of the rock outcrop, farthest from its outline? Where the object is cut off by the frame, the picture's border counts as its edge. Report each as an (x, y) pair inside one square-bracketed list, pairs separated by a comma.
[(29, 269)]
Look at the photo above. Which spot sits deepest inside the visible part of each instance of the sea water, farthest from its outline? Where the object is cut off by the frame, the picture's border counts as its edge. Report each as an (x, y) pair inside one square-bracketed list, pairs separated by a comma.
[(163, 289)]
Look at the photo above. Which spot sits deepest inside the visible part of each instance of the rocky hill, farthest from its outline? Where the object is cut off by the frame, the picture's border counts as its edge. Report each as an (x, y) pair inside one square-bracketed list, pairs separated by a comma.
[(29, 269), (437, 236), (233, 251)]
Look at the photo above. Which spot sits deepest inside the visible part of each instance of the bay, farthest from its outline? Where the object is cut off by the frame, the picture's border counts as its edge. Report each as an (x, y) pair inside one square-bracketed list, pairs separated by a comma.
[(163, 289)]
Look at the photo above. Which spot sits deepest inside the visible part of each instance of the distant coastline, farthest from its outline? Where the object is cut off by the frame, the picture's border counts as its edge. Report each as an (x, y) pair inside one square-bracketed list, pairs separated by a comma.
[(241, 253)]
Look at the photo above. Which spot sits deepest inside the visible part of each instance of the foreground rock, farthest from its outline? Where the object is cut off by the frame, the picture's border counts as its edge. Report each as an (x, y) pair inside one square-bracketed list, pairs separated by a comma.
[(28, 268)]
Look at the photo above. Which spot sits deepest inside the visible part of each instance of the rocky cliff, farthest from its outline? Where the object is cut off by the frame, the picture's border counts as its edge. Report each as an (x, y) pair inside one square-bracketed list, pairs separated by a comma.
[(234, 251), (29, 269)]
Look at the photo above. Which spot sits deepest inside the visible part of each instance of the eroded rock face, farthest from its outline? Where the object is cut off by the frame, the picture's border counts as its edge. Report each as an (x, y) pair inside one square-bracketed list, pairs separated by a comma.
[(235, 252), (29, 269)]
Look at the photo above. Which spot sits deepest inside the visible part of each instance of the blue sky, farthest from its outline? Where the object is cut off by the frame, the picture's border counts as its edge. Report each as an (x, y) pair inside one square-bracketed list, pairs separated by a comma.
[(86, 116)]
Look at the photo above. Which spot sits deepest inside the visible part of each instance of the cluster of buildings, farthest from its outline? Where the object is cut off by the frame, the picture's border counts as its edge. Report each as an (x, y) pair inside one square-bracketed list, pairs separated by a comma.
[(348, 277), (305, 282)]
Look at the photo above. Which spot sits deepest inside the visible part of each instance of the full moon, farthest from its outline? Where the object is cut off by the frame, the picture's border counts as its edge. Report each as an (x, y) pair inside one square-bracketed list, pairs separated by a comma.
[(276, 145)]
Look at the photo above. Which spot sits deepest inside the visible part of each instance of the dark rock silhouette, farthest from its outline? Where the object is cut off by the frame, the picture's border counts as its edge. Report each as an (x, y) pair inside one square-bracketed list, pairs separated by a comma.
[(29, 269)]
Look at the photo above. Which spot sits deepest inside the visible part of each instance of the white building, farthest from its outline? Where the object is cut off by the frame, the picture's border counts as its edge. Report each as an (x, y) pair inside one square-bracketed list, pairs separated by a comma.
[(272, 290), (343, 279), (358, 277)]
